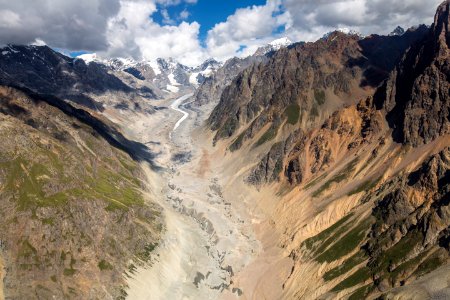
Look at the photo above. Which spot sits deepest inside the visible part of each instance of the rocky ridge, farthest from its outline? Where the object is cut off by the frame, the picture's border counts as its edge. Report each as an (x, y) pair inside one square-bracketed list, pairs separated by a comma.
[(351, 135)]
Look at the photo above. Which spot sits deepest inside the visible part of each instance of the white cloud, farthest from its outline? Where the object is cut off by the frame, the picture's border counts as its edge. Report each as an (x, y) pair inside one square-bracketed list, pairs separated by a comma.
[(249, 27), (79, 24), (133, 33), (125, 28), (310, 19)]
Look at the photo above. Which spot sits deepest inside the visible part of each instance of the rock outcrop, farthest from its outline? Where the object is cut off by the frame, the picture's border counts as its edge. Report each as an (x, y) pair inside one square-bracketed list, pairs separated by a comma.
[(417, 94)]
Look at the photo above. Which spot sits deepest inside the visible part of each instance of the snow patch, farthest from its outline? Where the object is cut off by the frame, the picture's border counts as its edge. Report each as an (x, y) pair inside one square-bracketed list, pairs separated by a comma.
[(172, 88), (88, 57), (172, 79), (279, 43)]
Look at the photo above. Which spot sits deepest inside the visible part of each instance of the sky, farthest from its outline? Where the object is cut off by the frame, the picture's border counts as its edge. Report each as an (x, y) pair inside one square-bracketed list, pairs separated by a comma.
[(193, 30)]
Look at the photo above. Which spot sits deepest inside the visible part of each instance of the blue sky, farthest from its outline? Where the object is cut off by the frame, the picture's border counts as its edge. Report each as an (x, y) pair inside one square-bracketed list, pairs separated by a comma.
[(194, 30), (206, 12)]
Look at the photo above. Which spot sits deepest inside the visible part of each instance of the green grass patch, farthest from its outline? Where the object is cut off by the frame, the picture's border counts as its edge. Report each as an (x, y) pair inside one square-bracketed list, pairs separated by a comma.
[(270, 134), (341, 176), (348, 265), (345, 244), (26, 250), (104, 265), (312, 242), (148, 249), (237, 143), (314, 181), (292, 113), (48, 221), (319, 96), (365, 186), (356, 278), (361, 293), (398, 252), (430, 264), (69, 272)]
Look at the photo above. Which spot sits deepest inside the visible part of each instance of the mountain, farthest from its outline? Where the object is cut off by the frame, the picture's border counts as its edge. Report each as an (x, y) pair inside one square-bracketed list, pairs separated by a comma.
[(65, 176), (342, 67), (212, 87), (273, 46), (161, 75), (46, 71), (347, 139), (397, 31)]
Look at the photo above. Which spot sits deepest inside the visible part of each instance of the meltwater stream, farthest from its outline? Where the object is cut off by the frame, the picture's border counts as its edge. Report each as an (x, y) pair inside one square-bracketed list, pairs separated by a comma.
[(203, 241)]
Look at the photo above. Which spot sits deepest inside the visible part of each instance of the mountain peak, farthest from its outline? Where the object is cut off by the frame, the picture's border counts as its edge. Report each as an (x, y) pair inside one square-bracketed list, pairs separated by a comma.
[(274, 45), (441, 20), (281, 42), (398, 31)]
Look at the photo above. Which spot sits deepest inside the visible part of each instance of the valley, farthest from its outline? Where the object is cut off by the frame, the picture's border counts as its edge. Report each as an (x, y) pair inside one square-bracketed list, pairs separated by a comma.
[(307, 170), (207, 237)]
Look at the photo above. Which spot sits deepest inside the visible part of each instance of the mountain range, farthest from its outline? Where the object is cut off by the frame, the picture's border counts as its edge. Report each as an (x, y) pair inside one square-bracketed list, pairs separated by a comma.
[(331, 160)]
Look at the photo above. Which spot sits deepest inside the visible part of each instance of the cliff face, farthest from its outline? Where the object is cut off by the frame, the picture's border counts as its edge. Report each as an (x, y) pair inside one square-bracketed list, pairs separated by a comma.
[(352, 137), (306, 83), (417, 92), (75, 219), (212, 87)]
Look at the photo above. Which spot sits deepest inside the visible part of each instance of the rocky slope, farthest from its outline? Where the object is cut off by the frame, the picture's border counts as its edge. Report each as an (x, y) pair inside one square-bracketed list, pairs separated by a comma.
[(45, 71), (350, 136), (307, 82), (63, 182), (212, 87)]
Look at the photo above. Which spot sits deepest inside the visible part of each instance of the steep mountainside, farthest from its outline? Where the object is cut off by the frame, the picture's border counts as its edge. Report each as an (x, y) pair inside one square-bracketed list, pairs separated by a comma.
[(212, 87), (75, 218), (45, 71), (351, 140), (307, 82)]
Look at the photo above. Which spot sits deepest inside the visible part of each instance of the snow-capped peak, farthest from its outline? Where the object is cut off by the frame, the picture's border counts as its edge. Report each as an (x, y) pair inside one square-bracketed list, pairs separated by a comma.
[(398, 31), (273, 46), (88, 57), (281, 42)]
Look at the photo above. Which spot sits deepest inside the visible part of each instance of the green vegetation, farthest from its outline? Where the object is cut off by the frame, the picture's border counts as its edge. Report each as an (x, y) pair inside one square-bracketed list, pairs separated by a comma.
[(104, 265), (48, 221), (341, 176), (53, 278), (358, 277), (346, 243), (292, 113), (27, 251), (397, 253), (148, 249), (365, 186), (319, 96), (314, 111), (348, 265), (270, 134), (314, 181), (312, 242), (237, 142), (69, 272), (430, 264), (361, 292)]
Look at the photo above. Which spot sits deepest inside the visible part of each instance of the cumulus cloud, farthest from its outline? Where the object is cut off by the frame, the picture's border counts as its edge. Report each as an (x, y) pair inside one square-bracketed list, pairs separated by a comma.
[(133, 33), (79, 24), (125, 28), (249, 27), (311, 18)]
